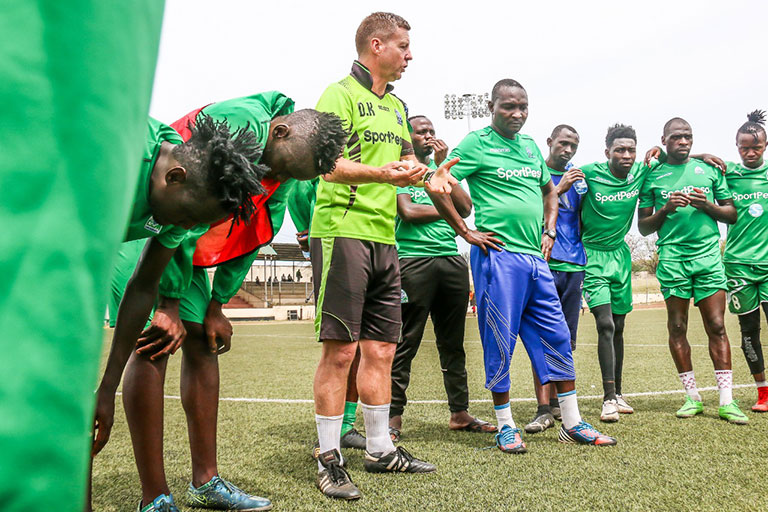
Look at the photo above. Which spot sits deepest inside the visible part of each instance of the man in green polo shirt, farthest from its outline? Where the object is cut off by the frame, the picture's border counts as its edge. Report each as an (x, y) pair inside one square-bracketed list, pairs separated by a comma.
[(683, 199), (354, 260), (435, 282), (296, 145), (746, 248)]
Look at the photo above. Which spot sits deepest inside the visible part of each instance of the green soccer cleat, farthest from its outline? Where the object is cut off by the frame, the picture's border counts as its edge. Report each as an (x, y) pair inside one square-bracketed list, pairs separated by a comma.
[(163, 503), (732, 414), (690, 408), (219, 494)]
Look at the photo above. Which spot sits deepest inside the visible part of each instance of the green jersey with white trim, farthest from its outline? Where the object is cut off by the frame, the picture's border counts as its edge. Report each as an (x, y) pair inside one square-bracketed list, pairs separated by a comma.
[(608, 207), (747, 240), (505, 177), (379, 135), (688, 232), (424, 239)]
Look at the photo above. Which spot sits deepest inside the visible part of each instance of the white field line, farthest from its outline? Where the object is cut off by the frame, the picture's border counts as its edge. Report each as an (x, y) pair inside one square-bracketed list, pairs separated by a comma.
[(476, 401)]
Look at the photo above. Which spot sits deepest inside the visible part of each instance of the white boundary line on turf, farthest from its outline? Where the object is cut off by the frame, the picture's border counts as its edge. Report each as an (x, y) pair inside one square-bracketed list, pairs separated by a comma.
[(476, 401)]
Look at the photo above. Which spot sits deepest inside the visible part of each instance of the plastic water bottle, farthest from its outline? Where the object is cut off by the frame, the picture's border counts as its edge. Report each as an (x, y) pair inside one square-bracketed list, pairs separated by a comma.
[(579, 186)]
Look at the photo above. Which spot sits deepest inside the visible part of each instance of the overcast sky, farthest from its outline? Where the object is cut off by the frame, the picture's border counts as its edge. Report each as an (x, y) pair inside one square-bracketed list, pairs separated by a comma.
[(588, 64)]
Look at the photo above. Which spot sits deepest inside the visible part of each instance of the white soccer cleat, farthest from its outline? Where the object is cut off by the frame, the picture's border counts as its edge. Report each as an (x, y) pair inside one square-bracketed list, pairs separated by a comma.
[(623, 406), (610, 412)]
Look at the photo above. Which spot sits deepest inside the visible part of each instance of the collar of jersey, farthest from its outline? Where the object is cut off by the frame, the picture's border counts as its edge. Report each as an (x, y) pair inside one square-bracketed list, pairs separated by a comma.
[(363, 76)]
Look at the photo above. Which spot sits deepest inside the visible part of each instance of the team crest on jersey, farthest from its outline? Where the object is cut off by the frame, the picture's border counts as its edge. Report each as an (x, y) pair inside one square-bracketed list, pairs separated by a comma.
[(755, 210), (630, 178), (403, 297), (153, 226), (399, 117), (530, 154), (698, 170)]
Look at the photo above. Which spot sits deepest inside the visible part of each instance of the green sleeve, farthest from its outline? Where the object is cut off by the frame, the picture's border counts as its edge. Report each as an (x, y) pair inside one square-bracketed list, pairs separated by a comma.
[(546, 177), (336, 101), (173, 237), (721, 186), (470, 157), (229, 276), (646, 194), (177, 275), (301, 204)]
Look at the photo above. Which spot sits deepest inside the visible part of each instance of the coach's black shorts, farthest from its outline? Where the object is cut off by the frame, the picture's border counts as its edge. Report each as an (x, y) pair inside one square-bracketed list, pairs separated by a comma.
[(357, 290)]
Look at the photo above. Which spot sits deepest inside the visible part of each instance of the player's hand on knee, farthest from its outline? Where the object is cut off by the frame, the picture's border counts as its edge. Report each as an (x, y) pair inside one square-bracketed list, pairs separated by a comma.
[(163, 337), (483, 240), (218, 328), (103, 420)]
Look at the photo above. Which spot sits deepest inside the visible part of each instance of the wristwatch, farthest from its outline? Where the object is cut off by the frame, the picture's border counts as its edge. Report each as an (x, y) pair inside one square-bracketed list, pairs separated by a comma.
[(551, 233)]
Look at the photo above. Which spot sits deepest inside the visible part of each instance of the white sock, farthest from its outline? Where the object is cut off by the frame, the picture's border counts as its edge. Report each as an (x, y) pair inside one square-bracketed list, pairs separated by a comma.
[(689, 383), (329, 434), (761, 384), (376, 419), (725, 385), (569, 408), (504, 415)]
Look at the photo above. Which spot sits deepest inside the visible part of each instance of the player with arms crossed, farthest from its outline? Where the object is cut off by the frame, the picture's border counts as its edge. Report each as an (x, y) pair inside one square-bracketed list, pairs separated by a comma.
[(516, 293), (683, 199)]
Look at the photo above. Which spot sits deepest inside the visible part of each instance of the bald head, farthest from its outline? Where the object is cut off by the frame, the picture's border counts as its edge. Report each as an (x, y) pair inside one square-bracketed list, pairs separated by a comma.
[(675, 122)]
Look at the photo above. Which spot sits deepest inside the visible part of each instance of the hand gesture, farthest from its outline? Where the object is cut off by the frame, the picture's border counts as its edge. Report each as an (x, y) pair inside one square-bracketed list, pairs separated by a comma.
[(164, 335), (440, 149), (403, 174), (217, 327), (483, 240), (697, 198), (652, 154), (570, 177), (676, 200), (103, 420), (441, 181)]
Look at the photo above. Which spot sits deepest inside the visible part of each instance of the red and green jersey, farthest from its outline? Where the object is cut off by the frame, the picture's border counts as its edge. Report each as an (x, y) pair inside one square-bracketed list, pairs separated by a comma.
[(505, 177), (142, 224), (688, 232), (378, 135), (608, 207), (424, 239), (747, 240)]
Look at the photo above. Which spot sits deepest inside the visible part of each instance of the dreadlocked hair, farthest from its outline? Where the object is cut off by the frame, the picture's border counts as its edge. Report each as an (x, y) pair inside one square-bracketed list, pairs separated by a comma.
[(224, 164), (326, 137), (755, 124), (619, 131)]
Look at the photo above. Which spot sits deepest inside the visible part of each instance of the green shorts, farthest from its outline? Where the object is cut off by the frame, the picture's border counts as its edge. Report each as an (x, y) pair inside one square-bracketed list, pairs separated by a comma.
[(698, 278), (608, 279), (127, 258), (195, 302), (747, 286)]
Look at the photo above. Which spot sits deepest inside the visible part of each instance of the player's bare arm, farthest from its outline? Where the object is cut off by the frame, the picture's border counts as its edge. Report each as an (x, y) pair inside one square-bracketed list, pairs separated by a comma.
[(448, 212), (394, 173), (549, 196), (166, 330), (217, 328), (656, 153), (134, 310), (722, 211), (570, 177), (649, 222)]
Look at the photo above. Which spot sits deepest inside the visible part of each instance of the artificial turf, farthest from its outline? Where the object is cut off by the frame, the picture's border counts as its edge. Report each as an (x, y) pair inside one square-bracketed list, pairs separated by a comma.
[(660, 462)]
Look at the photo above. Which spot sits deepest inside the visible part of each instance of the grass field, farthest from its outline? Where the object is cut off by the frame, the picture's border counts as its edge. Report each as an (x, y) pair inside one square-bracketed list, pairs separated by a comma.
[(660, 463)]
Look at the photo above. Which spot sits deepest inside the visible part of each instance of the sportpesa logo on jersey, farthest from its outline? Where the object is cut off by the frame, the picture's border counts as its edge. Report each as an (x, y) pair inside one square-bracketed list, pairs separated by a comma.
[(376, 137), (750, 197), (619, 196), (685, 190), (418, 193), (525, 172)]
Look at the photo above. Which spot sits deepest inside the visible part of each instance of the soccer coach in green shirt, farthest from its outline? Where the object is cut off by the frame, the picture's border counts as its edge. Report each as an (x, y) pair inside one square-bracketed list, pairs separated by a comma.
[(354, 261)]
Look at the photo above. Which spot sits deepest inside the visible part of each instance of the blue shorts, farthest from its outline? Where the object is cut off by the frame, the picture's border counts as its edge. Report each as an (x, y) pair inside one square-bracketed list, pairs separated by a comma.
[(516, 295), (568, 286)]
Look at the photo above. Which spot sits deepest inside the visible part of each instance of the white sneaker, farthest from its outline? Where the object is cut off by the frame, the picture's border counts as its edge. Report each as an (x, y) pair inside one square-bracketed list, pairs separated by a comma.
[(610, 412), (623, 406)]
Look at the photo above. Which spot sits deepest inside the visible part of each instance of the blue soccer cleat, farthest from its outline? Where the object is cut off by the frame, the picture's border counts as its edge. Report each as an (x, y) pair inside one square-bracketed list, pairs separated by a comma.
[(584, 433), (163, 503), (218, 494), (510, 440)]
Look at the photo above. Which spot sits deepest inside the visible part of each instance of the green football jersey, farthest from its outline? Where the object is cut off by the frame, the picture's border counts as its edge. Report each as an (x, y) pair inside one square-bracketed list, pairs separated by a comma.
[(378, 135), (688, 233), (505, 177), (425, 239), (141, 223), (608, 207), (747, 240), (301, 203)]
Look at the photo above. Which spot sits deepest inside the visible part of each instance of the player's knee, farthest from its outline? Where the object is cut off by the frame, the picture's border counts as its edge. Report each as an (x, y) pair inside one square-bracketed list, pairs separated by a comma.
[(338, 354), (677, 330), (716, 328)]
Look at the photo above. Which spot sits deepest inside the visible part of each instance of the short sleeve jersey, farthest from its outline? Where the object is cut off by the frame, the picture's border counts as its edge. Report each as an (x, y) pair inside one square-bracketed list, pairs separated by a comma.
[(747, 240), (425, 239), (141, 223), (688, 233), (378, 135), (608, 207), (505, 177)]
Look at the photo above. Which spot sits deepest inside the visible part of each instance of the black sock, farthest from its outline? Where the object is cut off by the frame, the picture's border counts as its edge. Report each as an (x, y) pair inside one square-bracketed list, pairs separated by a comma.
[(543, 409), (554, 402)]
